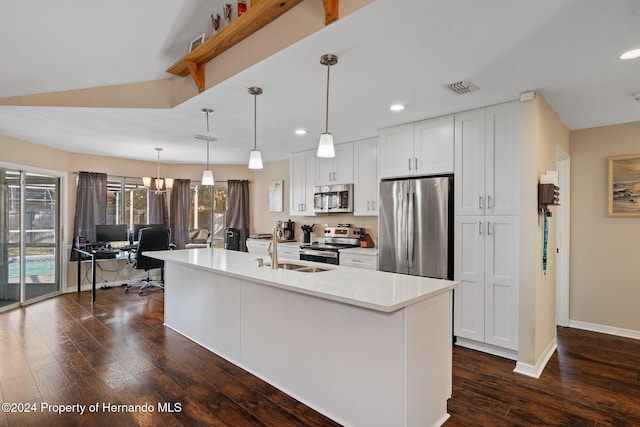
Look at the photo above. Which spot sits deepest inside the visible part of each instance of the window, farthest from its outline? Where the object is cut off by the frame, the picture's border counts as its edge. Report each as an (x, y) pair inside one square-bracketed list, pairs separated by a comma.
[(127, 201), (201, 214)]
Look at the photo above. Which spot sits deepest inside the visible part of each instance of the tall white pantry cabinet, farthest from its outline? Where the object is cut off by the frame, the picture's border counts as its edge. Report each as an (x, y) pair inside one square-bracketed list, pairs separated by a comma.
[(487, 156)]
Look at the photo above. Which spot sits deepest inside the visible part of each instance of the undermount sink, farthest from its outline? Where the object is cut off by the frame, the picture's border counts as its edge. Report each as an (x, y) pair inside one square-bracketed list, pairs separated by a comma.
[(301, 268), (311, 269)]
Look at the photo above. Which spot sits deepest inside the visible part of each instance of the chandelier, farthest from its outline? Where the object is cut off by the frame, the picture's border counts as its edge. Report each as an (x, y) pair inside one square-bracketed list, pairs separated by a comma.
[(160, 185)]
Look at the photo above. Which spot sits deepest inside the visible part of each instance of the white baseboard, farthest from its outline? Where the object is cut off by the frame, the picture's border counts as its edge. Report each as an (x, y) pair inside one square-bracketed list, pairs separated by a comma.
[(611, 330), (487, 348), (536, 370)]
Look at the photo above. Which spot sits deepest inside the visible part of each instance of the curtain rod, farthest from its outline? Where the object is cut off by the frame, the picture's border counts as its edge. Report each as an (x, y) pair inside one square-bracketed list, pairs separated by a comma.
[(137, 177)]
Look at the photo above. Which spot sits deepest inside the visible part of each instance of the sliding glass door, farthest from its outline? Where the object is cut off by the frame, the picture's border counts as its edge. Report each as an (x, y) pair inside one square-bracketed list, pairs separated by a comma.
[(30, 236)]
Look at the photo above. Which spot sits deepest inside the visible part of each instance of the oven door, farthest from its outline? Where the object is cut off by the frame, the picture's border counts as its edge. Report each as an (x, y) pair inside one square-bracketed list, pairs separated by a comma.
[(327, 257)]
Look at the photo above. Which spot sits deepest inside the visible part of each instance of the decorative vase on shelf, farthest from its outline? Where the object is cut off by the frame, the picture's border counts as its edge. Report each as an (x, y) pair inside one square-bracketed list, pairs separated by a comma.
[(242, 7), (215, 22), (226, 9)]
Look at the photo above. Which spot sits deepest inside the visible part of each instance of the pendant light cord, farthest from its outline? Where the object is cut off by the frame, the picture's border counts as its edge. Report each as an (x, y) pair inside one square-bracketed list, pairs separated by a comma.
[(255, 121), (208, 139), (327, 111)]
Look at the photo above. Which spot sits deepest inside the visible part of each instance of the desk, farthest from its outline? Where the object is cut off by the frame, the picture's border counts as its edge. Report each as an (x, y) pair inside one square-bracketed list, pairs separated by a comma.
[(94, 255)]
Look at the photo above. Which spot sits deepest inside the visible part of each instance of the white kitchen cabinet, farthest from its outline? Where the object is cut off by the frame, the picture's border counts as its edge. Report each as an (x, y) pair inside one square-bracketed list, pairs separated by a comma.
[(368, 260), (335, 170), (487, 161), (395, 151), (302, 168), (365, 177), (286, 251), (433, 146), (289, 251), (421, 148), (258, 246), (486, 267)]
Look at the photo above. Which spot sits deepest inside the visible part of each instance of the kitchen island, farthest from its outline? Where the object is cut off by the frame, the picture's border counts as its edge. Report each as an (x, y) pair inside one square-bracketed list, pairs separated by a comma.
[(365, 348)]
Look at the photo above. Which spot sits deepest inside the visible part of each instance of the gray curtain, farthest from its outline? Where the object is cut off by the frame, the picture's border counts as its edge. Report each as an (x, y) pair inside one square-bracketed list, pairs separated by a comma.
[(158, 211), (238, 209), (179, 212), (91, 205)]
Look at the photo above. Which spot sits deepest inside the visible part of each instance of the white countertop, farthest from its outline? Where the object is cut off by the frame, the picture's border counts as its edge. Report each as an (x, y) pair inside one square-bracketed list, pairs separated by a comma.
[(361, 251), (376, 290)]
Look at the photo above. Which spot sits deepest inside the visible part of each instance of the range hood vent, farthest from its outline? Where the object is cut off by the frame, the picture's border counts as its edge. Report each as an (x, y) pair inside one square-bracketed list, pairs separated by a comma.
[(462, 87)]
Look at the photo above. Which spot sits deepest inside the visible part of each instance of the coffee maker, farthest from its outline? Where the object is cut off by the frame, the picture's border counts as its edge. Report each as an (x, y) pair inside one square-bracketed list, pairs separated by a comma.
[(288, 232)]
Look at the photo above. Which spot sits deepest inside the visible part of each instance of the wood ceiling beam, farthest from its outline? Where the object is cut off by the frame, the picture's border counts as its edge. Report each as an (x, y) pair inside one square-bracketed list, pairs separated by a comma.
[(330, 11), (197, 72)]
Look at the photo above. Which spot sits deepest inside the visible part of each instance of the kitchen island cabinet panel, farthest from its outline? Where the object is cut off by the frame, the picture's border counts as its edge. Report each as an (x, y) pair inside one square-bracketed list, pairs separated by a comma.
[(365, 348)]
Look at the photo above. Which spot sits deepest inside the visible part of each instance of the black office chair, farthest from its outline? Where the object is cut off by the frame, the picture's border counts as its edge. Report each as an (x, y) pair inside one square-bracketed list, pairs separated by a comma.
[(150, 239)]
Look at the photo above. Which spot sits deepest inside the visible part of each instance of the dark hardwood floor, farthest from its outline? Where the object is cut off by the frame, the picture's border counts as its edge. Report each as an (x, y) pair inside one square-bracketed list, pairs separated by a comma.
[(64, 351), (591, 380)]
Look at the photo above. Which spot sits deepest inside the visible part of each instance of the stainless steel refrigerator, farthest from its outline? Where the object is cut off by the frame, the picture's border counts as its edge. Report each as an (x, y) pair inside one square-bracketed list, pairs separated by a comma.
[(415, 227)]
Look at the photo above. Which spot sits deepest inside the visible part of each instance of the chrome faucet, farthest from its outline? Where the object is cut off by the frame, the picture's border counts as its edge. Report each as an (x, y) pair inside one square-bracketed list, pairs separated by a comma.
[(273, 247)]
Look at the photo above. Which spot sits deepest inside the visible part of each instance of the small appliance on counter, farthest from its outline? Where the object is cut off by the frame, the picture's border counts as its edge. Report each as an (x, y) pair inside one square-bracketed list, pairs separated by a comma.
[(337, 237), (288, 230), (306, 233)]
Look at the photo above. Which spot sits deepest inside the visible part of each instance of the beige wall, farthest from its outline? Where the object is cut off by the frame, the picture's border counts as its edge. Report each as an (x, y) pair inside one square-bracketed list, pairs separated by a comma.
[(541, 132), (262, 220), (605, 272)]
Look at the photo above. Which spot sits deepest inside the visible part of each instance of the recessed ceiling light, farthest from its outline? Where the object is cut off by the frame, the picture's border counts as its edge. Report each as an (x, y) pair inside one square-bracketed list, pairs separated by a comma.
[(397, 107), (300, 131), (630, 54)]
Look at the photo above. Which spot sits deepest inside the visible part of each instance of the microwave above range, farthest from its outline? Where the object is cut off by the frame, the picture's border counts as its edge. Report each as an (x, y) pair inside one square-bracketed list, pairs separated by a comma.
[(333, 198)]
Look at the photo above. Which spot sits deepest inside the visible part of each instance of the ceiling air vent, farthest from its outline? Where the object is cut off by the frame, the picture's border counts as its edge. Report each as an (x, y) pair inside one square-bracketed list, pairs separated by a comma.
[(462, 87)]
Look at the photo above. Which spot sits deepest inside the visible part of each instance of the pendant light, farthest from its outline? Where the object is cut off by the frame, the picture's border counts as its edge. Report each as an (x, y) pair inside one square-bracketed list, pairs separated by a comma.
[(161, 184), (207, 174), (325, 146), (255, 159)]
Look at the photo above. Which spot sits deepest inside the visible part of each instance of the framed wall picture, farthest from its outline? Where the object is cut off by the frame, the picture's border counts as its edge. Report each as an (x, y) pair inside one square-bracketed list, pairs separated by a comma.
[(196, 42), (624, 185), (275, 196)]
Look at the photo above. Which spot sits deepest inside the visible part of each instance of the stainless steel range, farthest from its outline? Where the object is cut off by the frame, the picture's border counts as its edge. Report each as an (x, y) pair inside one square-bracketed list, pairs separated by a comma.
[(335, 238)]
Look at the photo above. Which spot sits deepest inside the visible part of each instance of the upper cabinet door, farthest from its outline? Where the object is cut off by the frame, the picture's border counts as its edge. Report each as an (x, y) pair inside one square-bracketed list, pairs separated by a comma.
[(338, 169), (365, 177), (470, 198), (502, 159), (395, 151), (302, 175), (433, 146)]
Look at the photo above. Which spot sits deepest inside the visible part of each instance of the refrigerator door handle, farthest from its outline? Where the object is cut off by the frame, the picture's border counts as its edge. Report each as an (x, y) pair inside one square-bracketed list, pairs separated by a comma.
[(410, 226)]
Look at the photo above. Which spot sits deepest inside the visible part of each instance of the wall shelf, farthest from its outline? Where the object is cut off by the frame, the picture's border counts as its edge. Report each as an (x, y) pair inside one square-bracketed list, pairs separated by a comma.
[(237, 30)]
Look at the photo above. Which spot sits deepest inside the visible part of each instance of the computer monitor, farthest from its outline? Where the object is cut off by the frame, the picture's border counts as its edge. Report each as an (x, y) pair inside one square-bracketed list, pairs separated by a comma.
[(138, 227), (111, 233)]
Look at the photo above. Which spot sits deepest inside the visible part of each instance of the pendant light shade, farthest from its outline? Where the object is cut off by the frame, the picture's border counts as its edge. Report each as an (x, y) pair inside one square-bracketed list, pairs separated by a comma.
[(325, 146), (255, 158), (207, 177), (207, 174)]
